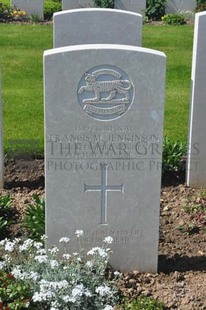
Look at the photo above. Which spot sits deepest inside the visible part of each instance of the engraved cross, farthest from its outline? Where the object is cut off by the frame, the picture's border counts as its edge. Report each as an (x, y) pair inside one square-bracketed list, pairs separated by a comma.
[(103, 188)]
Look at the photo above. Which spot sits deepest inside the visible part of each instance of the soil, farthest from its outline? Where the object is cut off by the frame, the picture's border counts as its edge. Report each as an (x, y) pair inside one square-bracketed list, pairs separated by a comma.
[(181, 279)]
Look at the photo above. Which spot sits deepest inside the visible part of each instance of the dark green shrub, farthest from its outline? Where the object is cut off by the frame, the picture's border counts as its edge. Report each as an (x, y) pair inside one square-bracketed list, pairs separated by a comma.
[(50, 7), (7, 213), (104, 3), (14, 294), (200, 2), (34, 219), (5, 11), (201, 7), (174, 19), (155, 9)]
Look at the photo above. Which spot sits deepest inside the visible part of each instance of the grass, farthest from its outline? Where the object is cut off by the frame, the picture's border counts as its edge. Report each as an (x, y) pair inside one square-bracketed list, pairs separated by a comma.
[(21, 51), (176, 42)]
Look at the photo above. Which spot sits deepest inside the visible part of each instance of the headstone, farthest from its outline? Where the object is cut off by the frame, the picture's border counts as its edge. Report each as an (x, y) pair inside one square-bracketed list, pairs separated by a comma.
[(104, 107), (76, 4), (31, 7), (137, 6), (175, 6), (97, 26), (196, 166), (1, 143)]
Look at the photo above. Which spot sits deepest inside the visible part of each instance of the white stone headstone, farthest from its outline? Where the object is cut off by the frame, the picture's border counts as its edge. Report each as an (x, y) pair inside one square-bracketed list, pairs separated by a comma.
[(76, 4), (104, 107), (97, 26), (31, 7), (137, 6), (175, 6), (196, 166), (1, 143)]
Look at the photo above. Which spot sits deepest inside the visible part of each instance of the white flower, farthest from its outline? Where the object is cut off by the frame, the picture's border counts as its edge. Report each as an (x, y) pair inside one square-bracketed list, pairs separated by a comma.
[(7, 258), (41, 258), (89, 264), (98, 250), (63, 284), (41, 251), (43, 296), (64, 239), (54, 250), (88, 293), (33, 275), (46, 286), (38, 245), (48, 295), (66, 256), (108, 240), (108, 307), (9, 246), (22, 248), (37, 297), (78, 290), (46, 292), (54, 305), (26, 245), (16, 272), (2, 242), (66, 298), (54, 263), (79, 233), (28, 242), (103, 290), (2, 265), (19, 274), (26, 305), (77, 257), (44, 237), (117, 274)]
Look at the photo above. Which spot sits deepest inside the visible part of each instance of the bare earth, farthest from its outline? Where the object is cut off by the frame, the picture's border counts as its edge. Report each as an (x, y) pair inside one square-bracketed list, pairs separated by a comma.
[(181, 280)]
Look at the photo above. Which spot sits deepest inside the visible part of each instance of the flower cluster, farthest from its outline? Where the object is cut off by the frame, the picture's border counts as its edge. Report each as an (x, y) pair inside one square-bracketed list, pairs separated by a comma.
[(69, 281), (18, 14), (187, 14)]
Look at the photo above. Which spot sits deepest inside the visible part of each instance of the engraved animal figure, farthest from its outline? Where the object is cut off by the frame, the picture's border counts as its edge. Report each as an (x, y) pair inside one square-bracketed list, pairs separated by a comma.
[(111, 87)]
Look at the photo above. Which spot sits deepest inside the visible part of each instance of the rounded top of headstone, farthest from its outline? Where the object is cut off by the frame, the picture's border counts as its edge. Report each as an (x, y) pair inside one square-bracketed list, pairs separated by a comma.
[(92, 10)]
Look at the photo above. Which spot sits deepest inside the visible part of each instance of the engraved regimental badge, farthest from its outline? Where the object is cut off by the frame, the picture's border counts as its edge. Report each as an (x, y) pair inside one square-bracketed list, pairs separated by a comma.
[(105, 92)]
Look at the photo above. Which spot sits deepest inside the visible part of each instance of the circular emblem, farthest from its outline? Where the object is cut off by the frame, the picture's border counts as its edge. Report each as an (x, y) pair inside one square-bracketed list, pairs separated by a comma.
[(105, 92)]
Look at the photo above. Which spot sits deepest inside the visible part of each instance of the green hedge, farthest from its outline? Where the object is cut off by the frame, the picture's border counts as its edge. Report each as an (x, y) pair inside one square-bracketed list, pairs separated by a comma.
[(6, 2), (50, 7)]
